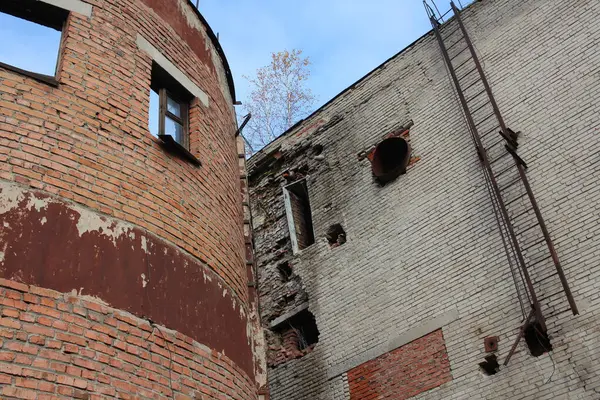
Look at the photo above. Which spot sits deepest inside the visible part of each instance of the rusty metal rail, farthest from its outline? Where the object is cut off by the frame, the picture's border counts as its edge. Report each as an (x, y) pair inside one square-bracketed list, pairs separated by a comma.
[(509, 189)]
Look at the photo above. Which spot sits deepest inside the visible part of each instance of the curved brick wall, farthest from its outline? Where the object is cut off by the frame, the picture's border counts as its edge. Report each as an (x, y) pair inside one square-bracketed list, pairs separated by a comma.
[(54, 344), (90, 201)]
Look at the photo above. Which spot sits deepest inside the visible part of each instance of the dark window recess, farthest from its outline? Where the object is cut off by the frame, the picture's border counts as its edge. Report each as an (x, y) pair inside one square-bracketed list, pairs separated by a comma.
[(304, 325), (31, 34), (390, 159), (336, 236), (490, 366), (537, 340), (168, 116), (299, 215), (285, 271)]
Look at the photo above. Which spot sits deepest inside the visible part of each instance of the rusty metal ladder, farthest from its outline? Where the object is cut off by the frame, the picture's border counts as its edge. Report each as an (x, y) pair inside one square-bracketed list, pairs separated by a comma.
[(540, 282)]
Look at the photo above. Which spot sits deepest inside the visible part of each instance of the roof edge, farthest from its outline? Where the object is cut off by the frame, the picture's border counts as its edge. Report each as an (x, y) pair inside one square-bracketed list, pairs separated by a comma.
[(215, 42)]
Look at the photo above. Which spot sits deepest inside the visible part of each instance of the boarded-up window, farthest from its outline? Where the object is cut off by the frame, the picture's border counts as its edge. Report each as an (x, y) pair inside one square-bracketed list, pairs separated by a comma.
[(297, 207)]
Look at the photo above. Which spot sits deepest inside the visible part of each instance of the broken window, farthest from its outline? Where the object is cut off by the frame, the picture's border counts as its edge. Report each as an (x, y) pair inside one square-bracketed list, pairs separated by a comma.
[(390, 159), (31, 34), (297, 207), (336, 236), (285, 271), (169, 108)]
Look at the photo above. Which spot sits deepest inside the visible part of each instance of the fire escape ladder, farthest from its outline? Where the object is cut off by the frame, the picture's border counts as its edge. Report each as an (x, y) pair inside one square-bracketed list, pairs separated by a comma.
[(540, 283)]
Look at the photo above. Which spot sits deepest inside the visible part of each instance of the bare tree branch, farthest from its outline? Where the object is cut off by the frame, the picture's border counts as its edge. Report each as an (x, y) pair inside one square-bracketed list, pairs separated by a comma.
[(279, 98)]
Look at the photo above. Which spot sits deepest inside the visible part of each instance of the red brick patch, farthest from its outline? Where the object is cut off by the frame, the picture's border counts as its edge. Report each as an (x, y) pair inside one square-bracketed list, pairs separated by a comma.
[(414, 368)]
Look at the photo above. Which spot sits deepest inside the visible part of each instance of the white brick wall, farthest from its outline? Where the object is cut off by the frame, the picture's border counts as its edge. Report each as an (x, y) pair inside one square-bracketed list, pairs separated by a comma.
[(427, 243)]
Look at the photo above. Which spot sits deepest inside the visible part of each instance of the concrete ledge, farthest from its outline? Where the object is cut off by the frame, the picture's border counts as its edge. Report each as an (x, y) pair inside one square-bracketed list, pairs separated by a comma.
[(288, 315), (392, 344), (76, 6), (175, 72)]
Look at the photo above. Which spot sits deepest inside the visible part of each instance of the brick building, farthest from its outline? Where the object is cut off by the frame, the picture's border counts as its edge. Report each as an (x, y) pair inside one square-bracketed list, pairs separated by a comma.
[(123, 260), (388, 267)]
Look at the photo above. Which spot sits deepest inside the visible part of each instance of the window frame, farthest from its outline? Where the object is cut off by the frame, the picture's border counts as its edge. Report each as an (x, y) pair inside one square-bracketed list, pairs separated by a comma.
[(164, 95), (40, 13), (292, 187)]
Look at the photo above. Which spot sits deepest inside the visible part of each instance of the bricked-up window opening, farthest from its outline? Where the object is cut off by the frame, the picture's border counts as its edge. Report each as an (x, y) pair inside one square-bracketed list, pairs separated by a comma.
[(336, 236), (304, 325), (285, 271), (297, 207), (537, 340), (390, 159), (31, 33)]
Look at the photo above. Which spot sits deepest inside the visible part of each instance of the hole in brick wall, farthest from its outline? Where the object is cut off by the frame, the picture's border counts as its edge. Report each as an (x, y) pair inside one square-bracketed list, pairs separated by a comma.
[(336, 236), (537, 340), (285, 271), (317, 149), (390, 159), (304, 325), (490, 366)]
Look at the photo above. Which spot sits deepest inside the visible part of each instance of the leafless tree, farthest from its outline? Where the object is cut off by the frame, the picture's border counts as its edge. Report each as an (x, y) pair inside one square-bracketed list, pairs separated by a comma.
[(279, 98)]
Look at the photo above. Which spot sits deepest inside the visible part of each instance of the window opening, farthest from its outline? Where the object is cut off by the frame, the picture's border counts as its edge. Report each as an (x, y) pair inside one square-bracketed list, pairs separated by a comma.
[(390, 159), (490, 366), (285, 271), (299, 216), (336, 236), (305, 326), (173, 107), (31, 34)]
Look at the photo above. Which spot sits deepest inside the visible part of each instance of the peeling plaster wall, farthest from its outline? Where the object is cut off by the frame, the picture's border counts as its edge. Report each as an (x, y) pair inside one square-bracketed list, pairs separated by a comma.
[(427, 242), (126, 267)]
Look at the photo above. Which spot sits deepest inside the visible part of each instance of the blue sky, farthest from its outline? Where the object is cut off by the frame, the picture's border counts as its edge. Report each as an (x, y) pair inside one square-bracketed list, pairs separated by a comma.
[(345, 39)]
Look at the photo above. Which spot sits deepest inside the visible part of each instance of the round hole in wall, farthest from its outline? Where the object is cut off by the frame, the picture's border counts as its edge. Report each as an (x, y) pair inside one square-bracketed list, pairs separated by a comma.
[(390, 159)]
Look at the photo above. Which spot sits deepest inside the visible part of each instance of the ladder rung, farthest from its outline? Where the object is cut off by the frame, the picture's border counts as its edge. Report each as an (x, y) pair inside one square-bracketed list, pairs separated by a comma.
[(528, 228), (478, 94), (533, 245), (459, 53), (517, 198), (467, 74), (494, 145), (490, 131), (504, 171), (522, 213), (454, 44), (461, 64), (499, 158), (551, 295), (480, 107), (452, 33), (539, 261), (510, 184), (558, 312), (475, 82), (545, 278), (483, 120)]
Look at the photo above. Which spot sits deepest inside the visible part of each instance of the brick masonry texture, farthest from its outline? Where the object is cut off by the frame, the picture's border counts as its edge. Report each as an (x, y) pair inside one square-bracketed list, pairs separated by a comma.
[(405, 372), (92, 202), (61, 346), (88, 139), (427, 242)]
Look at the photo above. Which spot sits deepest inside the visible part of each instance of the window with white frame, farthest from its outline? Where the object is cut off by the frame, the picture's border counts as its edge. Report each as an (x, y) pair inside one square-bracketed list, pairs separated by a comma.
[(299, 217)]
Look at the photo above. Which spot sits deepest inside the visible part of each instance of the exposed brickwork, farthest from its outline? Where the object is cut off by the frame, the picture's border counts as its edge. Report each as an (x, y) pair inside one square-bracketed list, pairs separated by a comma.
[(79, 158), (61, 346), (88, 139), (405, 372), (426, 244)]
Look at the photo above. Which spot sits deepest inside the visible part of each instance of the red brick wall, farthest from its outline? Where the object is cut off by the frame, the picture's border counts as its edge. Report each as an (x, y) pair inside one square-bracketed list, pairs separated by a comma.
[(88, 139), (61, 345), (402, 373)]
